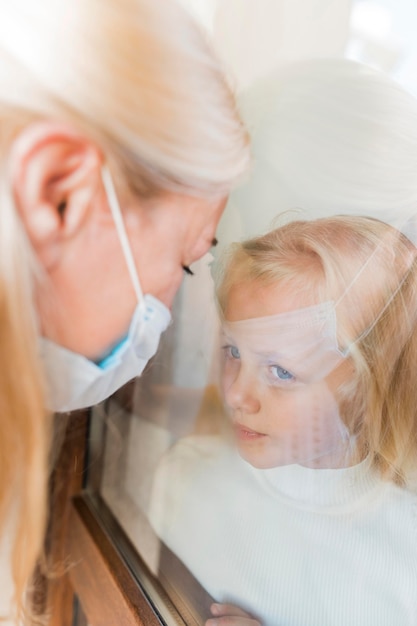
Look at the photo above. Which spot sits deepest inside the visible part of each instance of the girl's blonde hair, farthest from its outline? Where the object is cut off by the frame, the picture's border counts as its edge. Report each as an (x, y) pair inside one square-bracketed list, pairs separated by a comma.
[(369, 270), (139, 78)]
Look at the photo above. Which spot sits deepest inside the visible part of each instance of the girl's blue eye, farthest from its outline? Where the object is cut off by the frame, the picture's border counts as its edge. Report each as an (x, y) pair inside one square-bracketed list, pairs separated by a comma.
[(231, 352), (234, 352), (280, 372)]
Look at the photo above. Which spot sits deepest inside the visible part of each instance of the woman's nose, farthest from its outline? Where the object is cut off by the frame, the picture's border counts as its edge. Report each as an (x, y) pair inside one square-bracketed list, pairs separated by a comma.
[(242, 394)]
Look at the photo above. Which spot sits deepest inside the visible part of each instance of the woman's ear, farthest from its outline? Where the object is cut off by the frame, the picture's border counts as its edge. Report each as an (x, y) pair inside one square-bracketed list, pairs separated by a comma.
[(56, 174)]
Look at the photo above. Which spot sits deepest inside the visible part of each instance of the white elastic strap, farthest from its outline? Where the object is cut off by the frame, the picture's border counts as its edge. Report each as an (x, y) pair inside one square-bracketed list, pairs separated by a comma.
[(372, 325), (120, 227)]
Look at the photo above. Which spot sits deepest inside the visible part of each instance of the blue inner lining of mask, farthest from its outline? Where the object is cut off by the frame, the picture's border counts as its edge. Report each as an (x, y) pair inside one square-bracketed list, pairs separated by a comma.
[(112, 356)]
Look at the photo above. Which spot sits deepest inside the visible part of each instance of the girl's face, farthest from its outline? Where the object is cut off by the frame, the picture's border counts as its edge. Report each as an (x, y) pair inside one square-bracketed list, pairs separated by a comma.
[(280, 386)]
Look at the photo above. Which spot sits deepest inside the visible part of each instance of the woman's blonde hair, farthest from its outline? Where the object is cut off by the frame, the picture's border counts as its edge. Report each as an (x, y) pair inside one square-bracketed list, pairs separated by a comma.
[(369, 270), (139, 78)]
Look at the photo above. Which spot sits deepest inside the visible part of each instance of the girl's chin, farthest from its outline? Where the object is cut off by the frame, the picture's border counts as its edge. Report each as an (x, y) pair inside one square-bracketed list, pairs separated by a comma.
[(258, 460)]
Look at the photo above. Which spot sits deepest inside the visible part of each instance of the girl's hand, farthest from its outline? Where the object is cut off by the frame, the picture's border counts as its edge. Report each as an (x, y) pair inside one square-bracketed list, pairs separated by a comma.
[(229, 615)]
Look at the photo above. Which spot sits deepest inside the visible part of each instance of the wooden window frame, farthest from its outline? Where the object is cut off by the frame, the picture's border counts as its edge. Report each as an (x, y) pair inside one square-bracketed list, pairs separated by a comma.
[(105, 581)]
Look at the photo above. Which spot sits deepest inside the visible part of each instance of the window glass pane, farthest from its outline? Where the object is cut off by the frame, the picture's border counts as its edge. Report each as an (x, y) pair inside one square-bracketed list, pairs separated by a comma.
[(139, 425), (256, 461)]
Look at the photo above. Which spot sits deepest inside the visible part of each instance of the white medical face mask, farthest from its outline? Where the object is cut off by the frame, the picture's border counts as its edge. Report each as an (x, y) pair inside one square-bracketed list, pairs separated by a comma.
[(75, 382)]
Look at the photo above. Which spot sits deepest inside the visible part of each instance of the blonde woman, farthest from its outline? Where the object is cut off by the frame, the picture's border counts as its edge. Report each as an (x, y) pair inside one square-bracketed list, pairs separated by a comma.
[(308, 514), (119, 144)]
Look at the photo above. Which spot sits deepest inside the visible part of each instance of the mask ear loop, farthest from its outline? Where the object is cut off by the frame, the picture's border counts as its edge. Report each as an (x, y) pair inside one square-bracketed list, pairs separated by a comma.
[(121, 231), (367, 330)]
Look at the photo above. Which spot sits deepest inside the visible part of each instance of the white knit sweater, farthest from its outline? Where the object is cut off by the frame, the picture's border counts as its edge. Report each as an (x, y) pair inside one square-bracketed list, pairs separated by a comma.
[(292, 545)]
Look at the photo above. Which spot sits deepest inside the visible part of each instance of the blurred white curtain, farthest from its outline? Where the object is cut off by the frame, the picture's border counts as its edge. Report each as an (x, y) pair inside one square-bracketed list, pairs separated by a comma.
[(254, 36)]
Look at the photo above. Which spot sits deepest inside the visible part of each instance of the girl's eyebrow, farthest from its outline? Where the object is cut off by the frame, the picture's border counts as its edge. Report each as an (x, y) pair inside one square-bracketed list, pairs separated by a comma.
[(273, 356), (268, 354)]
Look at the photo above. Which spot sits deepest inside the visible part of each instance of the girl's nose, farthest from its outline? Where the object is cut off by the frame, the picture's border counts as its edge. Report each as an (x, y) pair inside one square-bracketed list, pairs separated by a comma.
[(242, 394)]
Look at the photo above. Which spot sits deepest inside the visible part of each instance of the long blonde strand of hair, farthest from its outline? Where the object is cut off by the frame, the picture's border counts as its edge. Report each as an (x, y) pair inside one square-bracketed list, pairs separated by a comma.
[(25, 425)]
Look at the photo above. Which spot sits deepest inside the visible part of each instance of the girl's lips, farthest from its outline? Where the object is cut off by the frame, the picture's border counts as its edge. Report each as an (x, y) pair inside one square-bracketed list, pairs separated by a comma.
[(246, 434)]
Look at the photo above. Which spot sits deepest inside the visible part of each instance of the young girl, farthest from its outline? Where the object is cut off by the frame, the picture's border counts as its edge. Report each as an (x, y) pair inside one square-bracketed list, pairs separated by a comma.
[(309, 515)]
